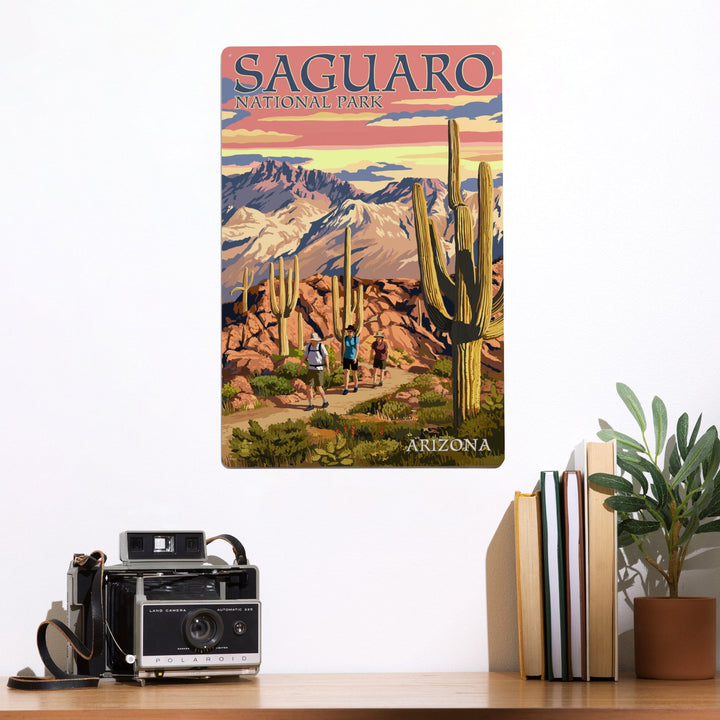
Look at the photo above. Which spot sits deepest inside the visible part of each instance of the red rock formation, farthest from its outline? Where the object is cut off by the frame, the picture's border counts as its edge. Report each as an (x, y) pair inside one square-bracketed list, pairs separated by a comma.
[(391, 306)]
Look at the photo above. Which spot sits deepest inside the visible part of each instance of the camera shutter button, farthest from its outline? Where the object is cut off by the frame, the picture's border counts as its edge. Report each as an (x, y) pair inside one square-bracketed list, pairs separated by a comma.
[(239, 628)]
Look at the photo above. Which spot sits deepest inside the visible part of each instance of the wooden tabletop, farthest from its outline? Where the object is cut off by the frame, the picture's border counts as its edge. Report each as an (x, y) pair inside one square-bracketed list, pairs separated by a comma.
[(399, 696)]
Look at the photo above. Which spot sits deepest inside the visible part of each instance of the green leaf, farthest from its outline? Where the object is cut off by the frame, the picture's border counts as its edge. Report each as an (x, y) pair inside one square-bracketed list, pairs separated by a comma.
[(660, 422), (615, 482), (640, 527), (712, 526), (632, 404), (712, 462), (700, 450), (713, 507), (623, 503), (624, 539), (659, 486), (634, 471), (674, 462), (682, 433), (694, 434), (624, 441), (630, 457)]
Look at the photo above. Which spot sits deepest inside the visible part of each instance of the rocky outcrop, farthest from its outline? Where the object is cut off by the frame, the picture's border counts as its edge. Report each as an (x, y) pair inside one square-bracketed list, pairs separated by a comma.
[(395, 307)]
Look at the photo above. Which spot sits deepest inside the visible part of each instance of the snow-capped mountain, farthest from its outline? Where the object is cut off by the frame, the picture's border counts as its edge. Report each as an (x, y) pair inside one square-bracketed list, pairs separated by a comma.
[(278, 209)]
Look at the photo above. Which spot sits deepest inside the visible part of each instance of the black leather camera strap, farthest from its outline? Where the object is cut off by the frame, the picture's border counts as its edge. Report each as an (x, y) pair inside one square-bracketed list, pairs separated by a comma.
[(93, 565), (237, 546)]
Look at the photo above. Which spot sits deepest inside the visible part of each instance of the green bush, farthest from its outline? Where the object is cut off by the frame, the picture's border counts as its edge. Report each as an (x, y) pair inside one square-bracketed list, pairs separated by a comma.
[(265, 385), (442, 367), (335, 377), (479, 426), (431, 399), (325, 420), (368, 431), (422, 382), (229, 392), (494, 401), (435, 415), (368, 407), (285, 443), (289, 370), (395, 410), (376, 452)]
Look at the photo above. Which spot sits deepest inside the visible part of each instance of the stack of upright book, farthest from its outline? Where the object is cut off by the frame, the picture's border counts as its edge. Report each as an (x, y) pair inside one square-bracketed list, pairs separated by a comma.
[(566, 566)]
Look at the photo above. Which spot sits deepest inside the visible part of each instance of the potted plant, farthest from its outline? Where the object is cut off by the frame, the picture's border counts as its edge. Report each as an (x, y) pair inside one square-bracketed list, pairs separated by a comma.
[(672, 487)]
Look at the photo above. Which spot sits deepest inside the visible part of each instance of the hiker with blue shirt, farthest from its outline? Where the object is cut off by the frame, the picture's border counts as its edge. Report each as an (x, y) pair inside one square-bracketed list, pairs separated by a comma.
[(316, 356), (350, 357)]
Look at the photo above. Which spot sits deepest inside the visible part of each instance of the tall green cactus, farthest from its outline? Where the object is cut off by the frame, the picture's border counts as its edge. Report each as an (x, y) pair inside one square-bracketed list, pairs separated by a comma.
[(284, 303), (353, 300), (245, 287), (300, 330), (478, 316)]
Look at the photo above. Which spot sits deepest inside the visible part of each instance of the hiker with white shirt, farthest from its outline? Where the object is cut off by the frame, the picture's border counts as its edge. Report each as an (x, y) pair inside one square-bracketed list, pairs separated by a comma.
[(316, 356)]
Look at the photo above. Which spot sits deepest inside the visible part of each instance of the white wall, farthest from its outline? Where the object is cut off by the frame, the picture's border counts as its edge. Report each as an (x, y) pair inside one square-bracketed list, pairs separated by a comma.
[(109, 410)]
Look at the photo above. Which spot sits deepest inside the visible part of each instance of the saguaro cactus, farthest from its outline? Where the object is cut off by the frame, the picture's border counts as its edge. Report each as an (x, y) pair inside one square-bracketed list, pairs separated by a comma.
[(245, 287), (478, 316), (284, 303), (301, 330), (353, 300)]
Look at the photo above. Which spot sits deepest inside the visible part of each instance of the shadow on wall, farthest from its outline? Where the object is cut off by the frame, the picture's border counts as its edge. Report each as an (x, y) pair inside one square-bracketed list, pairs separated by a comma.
[(56, 643), (501, 591)]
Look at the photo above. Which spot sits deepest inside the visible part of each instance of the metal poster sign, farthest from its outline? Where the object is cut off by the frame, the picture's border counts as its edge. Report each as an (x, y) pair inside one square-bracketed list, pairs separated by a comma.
[(362, 257)]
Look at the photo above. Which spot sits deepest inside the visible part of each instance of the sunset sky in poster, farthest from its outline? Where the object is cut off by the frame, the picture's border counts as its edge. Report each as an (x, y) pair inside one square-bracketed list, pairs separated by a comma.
[(372, 136)]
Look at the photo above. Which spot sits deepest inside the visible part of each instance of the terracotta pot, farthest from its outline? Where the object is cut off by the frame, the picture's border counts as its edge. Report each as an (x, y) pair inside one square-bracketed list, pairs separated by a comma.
[(675, 638)]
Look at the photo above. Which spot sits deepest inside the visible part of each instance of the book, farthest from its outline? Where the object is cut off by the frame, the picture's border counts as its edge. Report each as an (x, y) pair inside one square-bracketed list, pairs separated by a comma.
[(556, 667), (600, 562), (573, 492), (529, 579), (343, 171)]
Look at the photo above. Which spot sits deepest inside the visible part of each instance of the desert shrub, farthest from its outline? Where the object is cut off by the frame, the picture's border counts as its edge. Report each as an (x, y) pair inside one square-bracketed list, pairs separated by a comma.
[(431, 399), (367, 431), (395, 410), (336, 452), (399, 357), (325, 420), (376, 452), (229, 392), (422, 382), (485, 425), (442, 367), (480, 426), (335, 377), (285, 443), (289, 370), (435, 415), (271, 385), (368, 407), (494, 401)]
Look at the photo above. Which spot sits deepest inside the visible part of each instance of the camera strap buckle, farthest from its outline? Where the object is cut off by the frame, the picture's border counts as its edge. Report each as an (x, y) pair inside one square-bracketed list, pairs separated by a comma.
[(237, 546)]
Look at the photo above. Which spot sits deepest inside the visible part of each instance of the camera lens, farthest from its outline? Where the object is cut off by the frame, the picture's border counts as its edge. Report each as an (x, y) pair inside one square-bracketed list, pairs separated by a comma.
[(203, 629)]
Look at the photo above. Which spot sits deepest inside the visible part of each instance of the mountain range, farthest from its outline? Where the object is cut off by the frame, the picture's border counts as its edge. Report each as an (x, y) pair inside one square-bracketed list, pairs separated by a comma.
[(277, 209)]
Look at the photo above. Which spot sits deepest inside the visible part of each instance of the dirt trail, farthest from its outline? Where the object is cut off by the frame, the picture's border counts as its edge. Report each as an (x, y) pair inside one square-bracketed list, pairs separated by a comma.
[(339, 404)]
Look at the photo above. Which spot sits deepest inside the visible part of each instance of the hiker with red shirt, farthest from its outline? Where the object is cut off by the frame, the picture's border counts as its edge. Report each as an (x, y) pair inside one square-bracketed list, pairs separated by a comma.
[(379, 356)]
